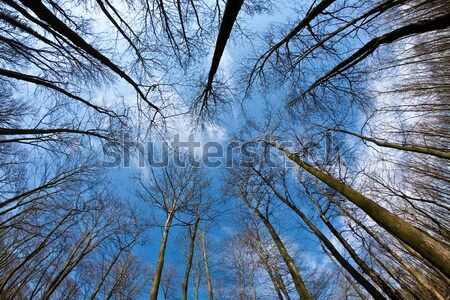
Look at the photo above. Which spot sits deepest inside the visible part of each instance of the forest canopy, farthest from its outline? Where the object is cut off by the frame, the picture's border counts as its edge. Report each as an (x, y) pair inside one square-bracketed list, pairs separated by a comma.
[(232, 149)]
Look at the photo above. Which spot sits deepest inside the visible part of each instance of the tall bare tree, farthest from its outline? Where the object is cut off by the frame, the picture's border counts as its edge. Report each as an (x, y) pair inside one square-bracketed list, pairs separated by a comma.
[(176, 191)]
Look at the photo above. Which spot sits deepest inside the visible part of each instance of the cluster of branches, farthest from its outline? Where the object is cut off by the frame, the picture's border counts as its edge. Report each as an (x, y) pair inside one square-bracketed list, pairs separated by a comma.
[(63, 236)]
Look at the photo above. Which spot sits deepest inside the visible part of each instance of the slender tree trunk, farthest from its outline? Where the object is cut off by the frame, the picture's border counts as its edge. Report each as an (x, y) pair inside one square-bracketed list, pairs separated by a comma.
[(160, 264), (347, 266), (349, 279), (38, 284), (119, 278), (421, 242), (70, 265), (411, 148), (190, 258), (420, 257), (281, 281), (272, 277), (39, 247), (106, 273), (293, 270), (196, 281), (92, 241), (208, 274), (271, 266), (230, 14), (385, 268), (252, 283), (265, 260)]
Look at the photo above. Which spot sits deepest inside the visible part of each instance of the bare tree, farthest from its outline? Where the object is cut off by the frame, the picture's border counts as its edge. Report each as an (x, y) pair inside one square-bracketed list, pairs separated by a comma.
[(176, 191)]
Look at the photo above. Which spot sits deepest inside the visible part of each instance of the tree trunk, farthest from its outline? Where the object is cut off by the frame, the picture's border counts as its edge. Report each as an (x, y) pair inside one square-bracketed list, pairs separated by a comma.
[(281, 282), (39, 247), (344, 263), (347, 277), (190, 258), (208, 274), (230, 14), (410, 148), (105, 274), (265, 260), (196, 281), (160, 264), (293, 270), (271, 276)]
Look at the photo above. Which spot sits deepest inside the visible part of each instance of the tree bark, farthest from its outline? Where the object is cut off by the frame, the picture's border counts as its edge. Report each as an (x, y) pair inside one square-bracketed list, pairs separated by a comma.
[(380, 282), (293, 270), (160, 264), (347, 277), (265, 260), (326, 242), (208, 274), (230, 14), (410, 148), (184, 286)]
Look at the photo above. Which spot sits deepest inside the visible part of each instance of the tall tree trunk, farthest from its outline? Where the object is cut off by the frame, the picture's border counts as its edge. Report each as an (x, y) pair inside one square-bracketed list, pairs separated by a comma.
[(160, 264), (347, 277), (411, 148), (196, 281), (190, 258), (272, 277), (230, 14), (293, 270), (105, 274), (425, 245), (265, 260), (281, 281), (120, 276), (420, 258), (33, 253), (345, 264), (208, 274)]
